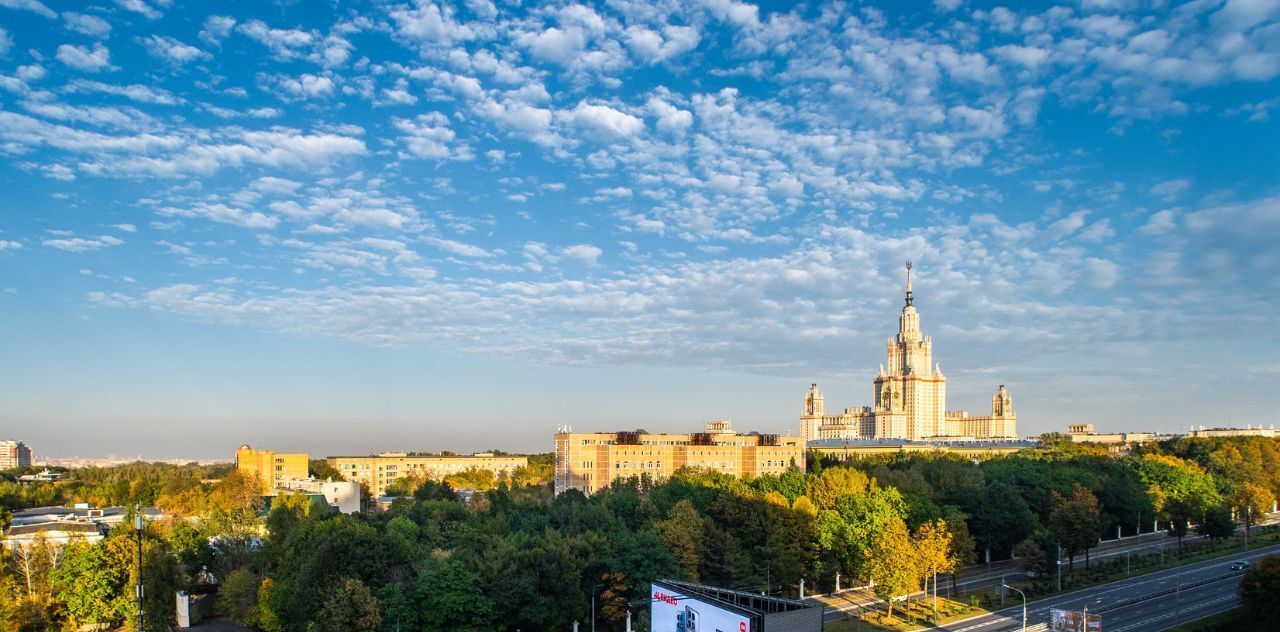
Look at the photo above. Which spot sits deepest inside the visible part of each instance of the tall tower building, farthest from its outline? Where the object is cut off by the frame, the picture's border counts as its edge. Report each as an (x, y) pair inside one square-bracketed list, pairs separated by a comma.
[(811, 419), (909, 396), (913, 387)]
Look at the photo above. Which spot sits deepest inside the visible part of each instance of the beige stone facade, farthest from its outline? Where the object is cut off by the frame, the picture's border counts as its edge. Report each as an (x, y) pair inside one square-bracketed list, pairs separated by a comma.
[(591, 461), (273, 468), (910, 397), (1247, 431), (380, 470)]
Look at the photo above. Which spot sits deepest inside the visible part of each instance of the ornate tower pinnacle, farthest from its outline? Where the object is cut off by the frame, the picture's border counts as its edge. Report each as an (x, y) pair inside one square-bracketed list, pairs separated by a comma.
[(908, 282)]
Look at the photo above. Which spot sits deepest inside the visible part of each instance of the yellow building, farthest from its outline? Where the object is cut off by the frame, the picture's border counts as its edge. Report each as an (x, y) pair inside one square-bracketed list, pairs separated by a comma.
[(909, 397), (273, 468), (591, 461), (378, 471)]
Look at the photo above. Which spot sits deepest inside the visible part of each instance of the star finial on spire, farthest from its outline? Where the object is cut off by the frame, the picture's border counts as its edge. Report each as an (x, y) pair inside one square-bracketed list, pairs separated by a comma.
[(908, 282)]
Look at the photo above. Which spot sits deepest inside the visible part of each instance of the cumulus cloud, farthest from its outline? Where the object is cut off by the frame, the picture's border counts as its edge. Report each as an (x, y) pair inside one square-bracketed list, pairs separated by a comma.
[(143, 8), (85, 59), (223, 214), (283, 43), (586, 253), (8, 244), (90, 25), (603, 121), (82, 244), (217, 28), (29, 5), (304, 86), (428, 136), (171, 50)]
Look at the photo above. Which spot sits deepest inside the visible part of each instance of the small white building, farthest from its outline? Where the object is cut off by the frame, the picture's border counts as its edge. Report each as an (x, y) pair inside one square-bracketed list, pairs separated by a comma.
[(56, 533), (343, 496)]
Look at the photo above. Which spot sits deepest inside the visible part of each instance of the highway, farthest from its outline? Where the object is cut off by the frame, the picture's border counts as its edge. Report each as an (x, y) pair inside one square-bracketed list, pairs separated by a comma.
[(861, 599), (1151, 602)]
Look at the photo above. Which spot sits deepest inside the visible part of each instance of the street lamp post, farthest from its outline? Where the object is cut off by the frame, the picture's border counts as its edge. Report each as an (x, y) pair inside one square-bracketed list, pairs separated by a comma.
[(593, 606), (137, 530), (1024, 602)]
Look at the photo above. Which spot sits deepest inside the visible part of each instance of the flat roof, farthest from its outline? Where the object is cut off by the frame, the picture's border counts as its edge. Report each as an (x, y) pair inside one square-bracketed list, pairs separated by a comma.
[(750, 603)]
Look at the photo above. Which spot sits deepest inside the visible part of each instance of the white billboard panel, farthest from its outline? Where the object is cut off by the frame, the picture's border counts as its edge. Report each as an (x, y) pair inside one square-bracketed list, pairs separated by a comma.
[(674, 611)]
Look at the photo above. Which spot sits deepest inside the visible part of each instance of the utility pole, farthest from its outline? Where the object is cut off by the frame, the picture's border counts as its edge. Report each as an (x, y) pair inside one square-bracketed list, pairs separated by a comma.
[(801, 588), (137, 529), (628, 619)]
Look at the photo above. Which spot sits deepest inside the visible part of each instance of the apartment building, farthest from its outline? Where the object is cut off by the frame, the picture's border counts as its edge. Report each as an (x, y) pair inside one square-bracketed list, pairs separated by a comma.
[(378, 471), (591, 461)]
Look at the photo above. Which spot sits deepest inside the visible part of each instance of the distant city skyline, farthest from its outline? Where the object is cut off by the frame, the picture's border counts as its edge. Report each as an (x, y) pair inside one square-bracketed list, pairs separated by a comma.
[(397, 225)]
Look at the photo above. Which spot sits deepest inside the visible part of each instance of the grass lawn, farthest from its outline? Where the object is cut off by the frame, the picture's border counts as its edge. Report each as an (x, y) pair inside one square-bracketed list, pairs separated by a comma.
[(911, 616)]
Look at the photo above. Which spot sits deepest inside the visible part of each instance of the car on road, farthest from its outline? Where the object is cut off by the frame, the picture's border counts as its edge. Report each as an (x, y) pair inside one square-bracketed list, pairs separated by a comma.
[(1240, 565)]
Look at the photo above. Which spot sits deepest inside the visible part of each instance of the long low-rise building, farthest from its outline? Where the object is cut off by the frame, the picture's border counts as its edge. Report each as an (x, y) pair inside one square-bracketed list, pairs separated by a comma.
[(592, 461), (378, 471), (971, 448)]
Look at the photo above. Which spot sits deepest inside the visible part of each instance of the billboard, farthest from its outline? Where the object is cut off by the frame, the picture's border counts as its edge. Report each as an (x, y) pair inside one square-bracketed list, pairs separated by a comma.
[(1073, 621), (673, 611)]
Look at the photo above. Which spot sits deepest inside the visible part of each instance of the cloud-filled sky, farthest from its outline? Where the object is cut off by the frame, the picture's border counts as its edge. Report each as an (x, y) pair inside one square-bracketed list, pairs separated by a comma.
[(342, 227)]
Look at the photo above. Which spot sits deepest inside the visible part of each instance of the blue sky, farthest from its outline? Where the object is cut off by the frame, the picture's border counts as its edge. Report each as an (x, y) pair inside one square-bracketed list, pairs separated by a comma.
[(362, 226)]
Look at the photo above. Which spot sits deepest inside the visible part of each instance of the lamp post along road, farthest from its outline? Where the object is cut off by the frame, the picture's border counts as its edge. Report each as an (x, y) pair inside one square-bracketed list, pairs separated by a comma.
[(1024, 602)]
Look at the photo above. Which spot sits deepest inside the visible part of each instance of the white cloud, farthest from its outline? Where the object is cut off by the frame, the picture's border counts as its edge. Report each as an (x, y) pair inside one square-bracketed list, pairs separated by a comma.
[(1171, 189), (304, 86), (134, 92), (585, 253), (223, 214), (283, 43), (428, 136), (84, 59), (6, 244), (90, 25), (671, 119), (276, 186), (6, 42), (605, 122), (172, 50), (29, 5), (654, 47), (334, 51), (1160, 223), (1101, 273), (430, 25), (128, 228), (458, 248), (217, 28), (142, 8), (80, 244)]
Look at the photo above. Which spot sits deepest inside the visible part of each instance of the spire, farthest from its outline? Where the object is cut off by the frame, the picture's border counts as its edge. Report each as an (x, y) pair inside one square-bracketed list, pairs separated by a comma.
[(908, 283)]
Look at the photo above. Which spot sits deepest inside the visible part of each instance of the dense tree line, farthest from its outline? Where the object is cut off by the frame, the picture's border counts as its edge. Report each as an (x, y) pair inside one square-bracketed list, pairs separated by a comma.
[(515, 557)]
